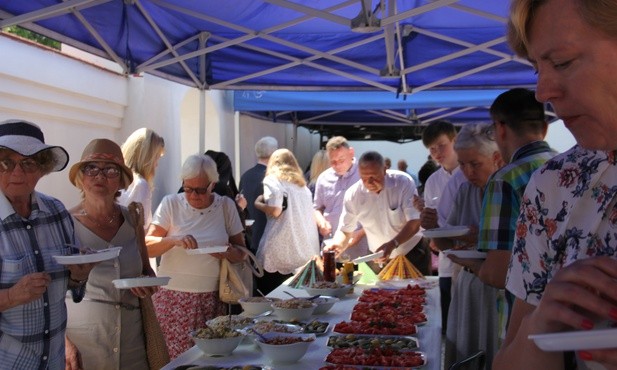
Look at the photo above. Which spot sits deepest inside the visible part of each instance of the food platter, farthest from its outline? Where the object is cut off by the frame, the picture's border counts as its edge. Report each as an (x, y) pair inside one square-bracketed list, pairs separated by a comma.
[(381, 357), (576, 340), (316, 327), (370, 341), (466, 253), (446, 232), (95, 256), (141, 282)]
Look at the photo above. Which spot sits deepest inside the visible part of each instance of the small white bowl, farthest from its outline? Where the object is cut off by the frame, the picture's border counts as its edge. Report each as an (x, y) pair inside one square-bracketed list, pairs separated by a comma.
[(253, 307), (294, 314), (218, 346), (285, 353), (339, 292), (324, 304)]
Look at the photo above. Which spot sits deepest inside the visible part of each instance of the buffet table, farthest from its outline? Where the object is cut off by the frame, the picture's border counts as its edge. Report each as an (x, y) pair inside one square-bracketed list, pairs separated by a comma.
[(429, 336)]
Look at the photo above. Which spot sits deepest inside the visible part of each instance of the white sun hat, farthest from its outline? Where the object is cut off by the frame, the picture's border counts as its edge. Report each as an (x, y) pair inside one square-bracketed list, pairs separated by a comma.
[(27, 139)]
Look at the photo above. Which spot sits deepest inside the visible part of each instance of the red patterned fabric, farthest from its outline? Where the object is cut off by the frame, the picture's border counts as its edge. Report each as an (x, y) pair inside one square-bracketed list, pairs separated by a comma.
[(180, 313)]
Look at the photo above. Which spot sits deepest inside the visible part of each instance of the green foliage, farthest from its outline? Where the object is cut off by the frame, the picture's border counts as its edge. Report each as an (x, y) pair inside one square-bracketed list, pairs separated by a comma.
[(36, 37)]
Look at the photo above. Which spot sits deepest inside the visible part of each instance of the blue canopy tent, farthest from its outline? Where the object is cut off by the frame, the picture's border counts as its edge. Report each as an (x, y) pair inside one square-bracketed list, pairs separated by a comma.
[(409, 53)]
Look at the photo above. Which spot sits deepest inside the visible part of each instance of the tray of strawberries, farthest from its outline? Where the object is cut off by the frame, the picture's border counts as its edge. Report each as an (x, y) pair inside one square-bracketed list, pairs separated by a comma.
[(378, 357), (408, 296), (375, 326), (389, 306), (389, 315)]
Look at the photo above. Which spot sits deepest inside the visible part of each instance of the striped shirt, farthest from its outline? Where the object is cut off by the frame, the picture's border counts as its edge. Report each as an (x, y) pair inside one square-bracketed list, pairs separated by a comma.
[(503, 193), (32, 334)]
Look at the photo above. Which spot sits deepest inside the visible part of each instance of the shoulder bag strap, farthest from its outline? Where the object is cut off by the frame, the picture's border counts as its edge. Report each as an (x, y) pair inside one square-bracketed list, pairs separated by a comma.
[(136, 210)]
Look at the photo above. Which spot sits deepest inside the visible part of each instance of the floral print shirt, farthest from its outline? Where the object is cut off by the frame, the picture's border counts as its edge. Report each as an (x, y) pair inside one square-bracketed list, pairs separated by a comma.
[(567, 213)]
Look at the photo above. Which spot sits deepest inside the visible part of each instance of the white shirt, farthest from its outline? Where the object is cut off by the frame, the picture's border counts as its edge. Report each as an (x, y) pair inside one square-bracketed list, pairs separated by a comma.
[(441, 184), (138, 191), (210, 226), (291, 239), (382, 215)]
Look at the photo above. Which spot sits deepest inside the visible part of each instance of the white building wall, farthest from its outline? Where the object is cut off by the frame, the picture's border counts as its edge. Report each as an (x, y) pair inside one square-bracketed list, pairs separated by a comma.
[(76, 99)]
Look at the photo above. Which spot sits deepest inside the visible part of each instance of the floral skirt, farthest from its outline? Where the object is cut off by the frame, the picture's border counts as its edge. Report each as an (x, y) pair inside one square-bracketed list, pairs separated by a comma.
[(179, 313)]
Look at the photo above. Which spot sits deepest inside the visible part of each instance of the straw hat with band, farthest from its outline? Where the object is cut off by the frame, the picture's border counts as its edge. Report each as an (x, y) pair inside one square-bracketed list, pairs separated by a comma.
[(27, 139), (102, 150)]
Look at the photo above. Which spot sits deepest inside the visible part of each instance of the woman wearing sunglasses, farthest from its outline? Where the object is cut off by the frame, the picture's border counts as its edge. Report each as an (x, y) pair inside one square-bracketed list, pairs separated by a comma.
[(198, 217), (105, 330)]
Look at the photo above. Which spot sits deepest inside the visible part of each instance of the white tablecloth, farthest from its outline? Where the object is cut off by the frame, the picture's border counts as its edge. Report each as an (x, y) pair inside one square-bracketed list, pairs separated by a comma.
[(429, 336)]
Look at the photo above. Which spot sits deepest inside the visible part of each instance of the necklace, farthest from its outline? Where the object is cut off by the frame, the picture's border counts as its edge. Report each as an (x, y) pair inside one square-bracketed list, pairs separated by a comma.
[(108, 223)]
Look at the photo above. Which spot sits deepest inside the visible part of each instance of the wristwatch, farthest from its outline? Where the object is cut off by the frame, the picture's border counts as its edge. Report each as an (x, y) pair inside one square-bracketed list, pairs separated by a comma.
[(396, 244)]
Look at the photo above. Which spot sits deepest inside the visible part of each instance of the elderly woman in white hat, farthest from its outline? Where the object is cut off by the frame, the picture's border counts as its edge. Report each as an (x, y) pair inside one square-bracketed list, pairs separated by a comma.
[(33, 228), (106, 327)]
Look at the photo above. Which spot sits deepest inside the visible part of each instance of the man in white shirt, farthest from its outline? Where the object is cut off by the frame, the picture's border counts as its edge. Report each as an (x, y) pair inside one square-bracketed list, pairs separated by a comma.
[(382, 203)]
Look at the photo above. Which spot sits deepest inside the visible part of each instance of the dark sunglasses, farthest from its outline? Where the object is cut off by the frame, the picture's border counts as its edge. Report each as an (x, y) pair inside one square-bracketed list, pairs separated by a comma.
[(28, 165), (92, 171), (199, 191)]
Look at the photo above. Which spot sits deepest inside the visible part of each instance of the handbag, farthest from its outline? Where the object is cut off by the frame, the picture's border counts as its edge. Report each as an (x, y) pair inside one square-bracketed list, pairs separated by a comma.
[(156, 348), (236, 279)]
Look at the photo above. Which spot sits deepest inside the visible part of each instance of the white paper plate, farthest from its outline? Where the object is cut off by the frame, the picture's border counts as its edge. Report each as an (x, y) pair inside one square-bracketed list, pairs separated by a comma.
[(446, 232), (576, 340), (98, 256), (249, 222), (368, 257), (208, 250), (396, 283), (140, 282), (466, 253)]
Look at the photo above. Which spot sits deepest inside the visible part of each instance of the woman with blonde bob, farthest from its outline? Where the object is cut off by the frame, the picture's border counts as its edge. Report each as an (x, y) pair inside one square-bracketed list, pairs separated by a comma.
[(564, 266), (319, 164), (289, 241)]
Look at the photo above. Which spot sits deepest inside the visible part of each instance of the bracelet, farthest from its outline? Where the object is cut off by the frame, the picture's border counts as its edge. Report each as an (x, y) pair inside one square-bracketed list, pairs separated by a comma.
[(78, 282), (396, 243)]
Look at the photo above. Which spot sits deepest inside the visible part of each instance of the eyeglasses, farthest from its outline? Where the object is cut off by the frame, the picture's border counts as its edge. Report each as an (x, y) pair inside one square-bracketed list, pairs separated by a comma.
[(199, 191), (488, 132), (28, 165), (109, 172)]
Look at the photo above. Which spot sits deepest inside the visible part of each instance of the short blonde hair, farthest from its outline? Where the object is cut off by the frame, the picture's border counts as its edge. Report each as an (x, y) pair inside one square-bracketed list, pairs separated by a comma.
[(337, 142), (284, 166), (141, 150), (599, 14)]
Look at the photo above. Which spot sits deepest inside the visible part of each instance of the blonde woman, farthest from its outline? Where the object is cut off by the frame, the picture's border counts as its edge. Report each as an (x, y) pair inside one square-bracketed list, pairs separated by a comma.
[(319, 164), (142, 151), (290, 238)]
